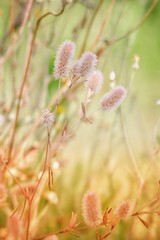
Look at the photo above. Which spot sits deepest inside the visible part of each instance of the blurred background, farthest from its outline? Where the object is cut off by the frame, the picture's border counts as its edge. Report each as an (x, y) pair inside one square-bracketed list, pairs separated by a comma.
[(124, 35)]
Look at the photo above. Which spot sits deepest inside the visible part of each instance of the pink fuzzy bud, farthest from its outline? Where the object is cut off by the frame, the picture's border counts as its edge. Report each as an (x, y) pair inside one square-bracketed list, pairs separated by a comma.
[(113, 99), (76, 69), (91, 209), (88, 63), (123, 210), (94, 81), (63, 59)]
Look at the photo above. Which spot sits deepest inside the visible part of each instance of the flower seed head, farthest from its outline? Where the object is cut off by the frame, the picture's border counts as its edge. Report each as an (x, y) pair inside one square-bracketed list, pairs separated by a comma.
[(91, 209), (47, 118), (63, 59), (88, 63), (76, 69), (95, 81), (113, 99), (123, 210)]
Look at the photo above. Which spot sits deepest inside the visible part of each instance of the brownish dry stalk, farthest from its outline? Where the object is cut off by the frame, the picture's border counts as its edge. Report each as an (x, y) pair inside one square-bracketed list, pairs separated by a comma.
[(135, 28), (130, 151), (25, 78), (30, 200), (27, 11), (110, 42), (90, 27), (12, 18), (103, 25)]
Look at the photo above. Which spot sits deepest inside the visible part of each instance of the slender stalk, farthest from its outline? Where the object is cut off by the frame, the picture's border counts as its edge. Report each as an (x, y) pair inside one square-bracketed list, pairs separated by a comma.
[(25, 79), (90, 26), (27, 11), (131, 153), (104, 23), (28, 221), (15, 179), (30, 201), (135, 28)]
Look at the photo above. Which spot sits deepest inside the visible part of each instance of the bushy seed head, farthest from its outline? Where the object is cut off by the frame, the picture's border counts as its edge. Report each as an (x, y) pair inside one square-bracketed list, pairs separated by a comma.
[(113, 99), (76, 69), (123, 210), (47, 118), (88, 63), (91, 209), (94, 81), (63, 59)]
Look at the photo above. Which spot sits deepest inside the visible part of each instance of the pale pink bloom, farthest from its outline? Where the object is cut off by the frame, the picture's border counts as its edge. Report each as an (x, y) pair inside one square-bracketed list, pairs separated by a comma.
[(91, 209), (76, 69), (63, 59), (123, 210), (113, 99), (88, 63), (95, 81)]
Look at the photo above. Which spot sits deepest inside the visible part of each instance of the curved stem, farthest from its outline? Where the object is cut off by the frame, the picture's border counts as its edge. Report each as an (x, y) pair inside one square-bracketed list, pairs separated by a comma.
[(25, 79), (135, 28)]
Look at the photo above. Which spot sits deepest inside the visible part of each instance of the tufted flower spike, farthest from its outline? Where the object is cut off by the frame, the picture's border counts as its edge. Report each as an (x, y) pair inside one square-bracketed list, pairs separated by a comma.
[(91, 209), (123, 210), (113, 99), (95, 81), (88, 63), (63, 59)]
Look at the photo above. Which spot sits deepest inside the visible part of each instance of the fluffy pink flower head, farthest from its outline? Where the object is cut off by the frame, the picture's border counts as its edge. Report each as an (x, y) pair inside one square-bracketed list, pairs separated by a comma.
[(63, 59), (76, 69), (91, 209), (123, 210), (94, 81), (88, 63), (113, 99)]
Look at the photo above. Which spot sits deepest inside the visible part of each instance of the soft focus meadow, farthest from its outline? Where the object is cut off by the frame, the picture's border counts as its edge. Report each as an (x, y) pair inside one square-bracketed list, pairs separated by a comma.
[(79, 119)]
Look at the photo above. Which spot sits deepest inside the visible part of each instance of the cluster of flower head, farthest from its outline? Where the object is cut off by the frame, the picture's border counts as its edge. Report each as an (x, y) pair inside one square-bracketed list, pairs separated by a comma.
[(85, 68), (92, 213)]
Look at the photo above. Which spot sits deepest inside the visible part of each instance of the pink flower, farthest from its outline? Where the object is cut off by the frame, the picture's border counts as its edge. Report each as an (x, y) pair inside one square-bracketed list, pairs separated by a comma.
[(88, 63), (63, 59), (113, 99), (76, 69), (91, 209), (123, 210), (94, 81)]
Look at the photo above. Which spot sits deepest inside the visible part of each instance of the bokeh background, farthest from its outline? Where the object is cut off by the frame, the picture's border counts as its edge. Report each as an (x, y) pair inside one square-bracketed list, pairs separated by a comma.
[(96, 157)]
